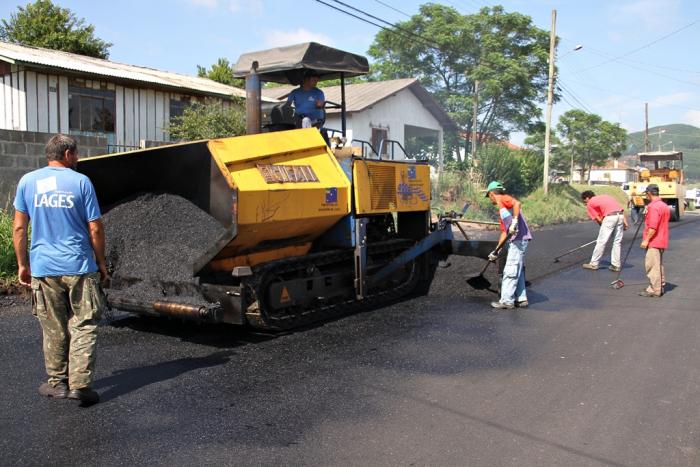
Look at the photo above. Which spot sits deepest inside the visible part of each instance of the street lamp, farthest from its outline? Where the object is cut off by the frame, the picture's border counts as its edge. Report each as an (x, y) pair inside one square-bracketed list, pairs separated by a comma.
[(550, 96), (578, 47)]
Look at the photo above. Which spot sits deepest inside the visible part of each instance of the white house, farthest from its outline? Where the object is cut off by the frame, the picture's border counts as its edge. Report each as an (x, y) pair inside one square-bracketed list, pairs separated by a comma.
[(380, 112), (52, 91), (612, 173)]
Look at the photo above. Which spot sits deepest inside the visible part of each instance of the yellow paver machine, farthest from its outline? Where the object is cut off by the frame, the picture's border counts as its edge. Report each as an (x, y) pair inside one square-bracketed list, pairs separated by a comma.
[(310, 232)]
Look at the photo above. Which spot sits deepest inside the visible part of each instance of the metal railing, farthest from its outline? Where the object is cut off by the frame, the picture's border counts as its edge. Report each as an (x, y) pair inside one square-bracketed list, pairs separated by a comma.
[(369, 151), (115, 148)]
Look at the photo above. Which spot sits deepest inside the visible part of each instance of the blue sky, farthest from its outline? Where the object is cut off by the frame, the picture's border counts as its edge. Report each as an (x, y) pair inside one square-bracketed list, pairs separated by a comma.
[(608, 76)]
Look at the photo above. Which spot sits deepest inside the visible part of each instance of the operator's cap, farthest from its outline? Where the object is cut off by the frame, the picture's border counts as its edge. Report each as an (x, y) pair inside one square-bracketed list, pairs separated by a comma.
[(494, 186), (653, 189), (308, 72)]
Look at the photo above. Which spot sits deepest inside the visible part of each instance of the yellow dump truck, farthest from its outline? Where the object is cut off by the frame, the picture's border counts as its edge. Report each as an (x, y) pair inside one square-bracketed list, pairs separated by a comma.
[(664, 169), (308, 232)]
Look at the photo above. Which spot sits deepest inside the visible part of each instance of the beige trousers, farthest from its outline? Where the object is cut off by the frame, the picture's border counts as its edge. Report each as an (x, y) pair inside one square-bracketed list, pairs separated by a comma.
[(653, 264)]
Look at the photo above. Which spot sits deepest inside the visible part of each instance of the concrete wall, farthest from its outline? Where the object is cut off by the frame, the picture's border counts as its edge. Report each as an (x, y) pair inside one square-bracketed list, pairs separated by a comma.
[(23, 151)]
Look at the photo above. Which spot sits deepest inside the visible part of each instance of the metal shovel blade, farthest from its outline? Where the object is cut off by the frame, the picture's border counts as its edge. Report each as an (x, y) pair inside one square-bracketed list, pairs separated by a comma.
[(618, 284), (479, 282)]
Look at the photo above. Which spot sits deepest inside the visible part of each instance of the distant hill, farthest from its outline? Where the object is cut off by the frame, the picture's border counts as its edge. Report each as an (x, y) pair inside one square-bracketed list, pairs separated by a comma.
[(685, 138)]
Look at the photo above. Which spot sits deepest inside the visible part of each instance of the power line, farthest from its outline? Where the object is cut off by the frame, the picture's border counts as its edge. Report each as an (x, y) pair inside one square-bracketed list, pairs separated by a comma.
[(644, 46), (396, 29), (638, 62), (636, 98), (575, 97), (392, 8)]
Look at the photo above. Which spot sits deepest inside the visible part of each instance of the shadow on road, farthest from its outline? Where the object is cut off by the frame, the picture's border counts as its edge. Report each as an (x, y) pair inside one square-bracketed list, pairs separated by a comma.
[(213, 335), (125, 381)]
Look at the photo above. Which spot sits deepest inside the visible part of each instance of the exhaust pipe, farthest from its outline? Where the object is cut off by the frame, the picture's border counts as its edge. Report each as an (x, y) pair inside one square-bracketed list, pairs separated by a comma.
[(160, 308), (252, 101)]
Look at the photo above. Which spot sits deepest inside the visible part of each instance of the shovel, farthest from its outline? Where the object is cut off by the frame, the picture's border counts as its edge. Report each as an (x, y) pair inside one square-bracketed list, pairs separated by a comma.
[(480, 282), (619, 283)]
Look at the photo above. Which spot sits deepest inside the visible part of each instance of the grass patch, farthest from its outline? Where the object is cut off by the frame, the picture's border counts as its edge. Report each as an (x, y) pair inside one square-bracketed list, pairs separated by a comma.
[(8, 262)]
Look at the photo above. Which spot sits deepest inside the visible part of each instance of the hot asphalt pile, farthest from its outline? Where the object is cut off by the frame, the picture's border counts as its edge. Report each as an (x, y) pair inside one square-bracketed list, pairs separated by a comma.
[(152, 242)]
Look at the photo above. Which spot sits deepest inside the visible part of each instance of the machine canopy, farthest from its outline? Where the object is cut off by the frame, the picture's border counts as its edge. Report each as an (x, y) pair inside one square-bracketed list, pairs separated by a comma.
[(660, 156), (286, 65)]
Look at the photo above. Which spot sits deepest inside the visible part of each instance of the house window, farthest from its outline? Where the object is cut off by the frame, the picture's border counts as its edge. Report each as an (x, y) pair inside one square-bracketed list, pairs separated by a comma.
[(91, 110), (177, 107), (379, 137)]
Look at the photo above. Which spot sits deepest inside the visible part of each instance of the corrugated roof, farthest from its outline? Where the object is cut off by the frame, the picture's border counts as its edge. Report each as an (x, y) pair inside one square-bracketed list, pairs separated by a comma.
[(36, 56), (360, 96)]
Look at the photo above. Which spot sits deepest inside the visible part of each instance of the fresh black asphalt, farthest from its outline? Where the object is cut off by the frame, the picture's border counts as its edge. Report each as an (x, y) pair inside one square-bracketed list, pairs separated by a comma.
[(587, 375)]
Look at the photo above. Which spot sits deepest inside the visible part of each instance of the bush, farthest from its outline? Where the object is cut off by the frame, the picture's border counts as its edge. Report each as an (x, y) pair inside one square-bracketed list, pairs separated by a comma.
[(497, 162), (8, 262), (207, 121)]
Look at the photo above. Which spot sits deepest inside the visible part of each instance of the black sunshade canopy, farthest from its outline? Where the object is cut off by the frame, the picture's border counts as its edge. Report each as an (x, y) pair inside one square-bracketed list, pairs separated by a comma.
[(286, 65)]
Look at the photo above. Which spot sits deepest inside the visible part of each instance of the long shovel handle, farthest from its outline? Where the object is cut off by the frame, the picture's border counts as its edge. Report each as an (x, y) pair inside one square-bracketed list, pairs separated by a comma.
[(575, 249), (488, 262)]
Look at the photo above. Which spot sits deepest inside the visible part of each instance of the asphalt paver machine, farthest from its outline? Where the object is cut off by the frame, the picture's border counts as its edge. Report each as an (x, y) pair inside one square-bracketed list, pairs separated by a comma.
[(310, 232)]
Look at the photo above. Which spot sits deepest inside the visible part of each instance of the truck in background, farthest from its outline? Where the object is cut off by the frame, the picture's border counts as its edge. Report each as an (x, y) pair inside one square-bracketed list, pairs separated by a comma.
[(665, 169)]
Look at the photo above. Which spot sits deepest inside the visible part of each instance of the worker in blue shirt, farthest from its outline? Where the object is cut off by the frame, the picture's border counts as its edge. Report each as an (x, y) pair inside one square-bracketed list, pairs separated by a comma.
[(65, 267), (308, 101)]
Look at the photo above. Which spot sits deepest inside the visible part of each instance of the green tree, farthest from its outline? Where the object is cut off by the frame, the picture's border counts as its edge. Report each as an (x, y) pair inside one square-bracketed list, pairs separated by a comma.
[(504, 52), (589, 140), (221, 72), (534, 144), (43, 24), (206, 121), (497, 162)]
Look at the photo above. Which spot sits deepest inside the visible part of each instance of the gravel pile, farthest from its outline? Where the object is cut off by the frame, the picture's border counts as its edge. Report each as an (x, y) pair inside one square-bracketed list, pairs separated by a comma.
[(152, 242)]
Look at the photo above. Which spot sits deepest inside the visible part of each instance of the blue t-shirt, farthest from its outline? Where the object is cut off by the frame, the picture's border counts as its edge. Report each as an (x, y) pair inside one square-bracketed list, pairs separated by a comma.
[(60, 202), (305, 102)]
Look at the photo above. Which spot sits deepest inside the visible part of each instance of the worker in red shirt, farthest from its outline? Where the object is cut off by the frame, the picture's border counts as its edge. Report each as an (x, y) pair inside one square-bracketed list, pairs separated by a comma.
[(655, 241), (610, 216)]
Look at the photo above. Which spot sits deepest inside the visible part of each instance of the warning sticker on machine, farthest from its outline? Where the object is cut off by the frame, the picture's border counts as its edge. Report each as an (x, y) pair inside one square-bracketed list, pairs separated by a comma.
[(284, 296)]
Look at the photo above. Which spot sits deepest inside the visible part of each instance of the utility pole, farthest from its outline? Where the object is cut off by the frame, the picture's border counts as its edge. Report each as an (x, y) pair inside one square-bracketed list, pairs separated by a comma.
[(474, 122), (550, 95), (571, 177), (646, 127)]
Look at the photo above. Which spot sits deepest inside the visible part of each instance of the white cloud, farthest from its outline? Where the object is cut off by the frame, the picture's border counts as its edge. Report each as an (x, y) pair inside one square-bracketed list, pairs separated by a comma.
[(692, 117), (277, 38), (211, 4), (678, 98), (253, 7), (646, 15)]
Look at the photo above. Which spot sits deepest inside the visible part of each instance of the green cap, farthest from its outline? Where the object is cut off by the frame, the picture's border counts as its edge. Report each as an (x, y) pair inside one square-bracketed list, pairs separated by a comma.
[(492, 186)]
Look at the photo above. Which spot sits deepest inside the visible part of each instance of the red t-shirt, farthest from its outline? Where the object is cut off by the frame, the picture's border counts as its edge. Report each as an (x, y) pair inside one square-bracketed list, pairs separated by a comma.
[(504, 201), (601, 206), (658, 215)]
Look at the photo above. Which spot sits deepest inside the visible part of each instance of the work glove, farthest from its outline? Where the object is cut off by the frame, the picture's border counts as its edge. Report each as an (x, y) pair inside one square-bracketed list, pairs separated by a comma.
[(513, 229), (493, 256)]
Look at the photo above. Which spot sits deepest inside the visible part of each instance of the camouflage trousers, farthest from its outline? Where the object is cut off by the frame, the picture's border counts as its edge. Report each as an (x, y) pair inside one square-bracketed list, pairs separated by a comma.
[(68, 309)]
